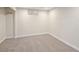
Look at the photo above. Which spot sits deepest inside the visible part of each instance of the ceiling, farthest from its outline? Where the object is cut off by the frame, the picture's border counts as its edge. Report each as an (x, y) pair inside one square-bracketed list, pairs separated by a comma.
[(38, 8)]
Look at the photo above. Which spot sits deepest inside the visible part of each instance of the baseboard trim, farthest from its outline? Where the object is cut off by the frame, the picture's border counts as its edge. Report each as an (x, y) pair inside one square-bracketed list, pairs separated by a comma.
[(22, 36), (31, 35), (74, 47), (10, 38), (2, 40)]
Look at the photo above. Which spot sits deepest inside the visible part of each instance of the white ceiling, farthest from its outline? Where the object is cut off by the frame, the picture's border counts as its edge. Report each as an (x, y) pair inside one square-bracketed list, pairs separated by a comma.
[(38, 8)]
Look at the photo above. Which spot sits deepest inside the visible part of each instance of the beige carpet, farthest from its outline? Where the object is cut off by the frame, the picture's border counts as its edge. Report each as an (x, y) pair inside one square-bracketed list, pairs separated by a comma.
[(40, 43)]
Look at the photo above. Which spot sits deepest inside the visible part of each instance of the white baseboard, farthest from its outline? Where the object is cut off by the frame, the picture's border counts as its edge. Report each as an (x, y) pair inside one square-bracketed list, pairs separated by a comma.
[(31, 35), (76, 48), (22, 36), (9, 37), (2, 40)]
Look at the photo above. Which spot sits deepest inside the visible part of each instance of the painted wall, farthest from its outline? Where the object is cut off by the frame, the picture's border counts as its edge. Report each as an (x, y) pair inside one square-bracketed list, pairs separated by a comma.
[(26, 24), (9, 25), (2, 24), (64, 24)]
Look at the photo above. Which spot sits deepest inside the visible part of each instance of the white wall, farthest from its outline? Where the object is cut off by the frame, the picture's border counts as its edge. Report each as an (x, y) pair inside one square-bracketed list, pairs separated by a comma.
[(6, 24), (30, 24), (9, 25), (2, 24), (64, 24)]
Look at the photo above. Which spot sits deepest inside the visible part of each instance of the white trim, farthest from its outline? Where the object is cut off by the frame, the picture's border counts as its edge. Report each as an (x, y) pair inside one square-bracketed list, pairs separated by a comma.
[(73, 46), (8, 37), (22, 36), (30, 35), (2, 40)]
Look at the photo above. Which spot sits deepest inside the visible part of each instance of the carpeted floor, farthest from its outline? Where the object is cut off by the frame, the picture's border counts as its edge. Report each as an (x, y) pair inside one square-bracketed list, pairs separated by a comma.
[(40, 43)]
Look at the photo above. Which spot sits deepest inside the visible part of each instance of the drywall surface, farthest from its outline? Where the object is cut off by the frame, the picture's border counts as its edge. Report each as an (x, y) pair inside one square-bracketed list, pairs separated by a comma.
[(9, 25), (26, 24), (2, 24), (64, 24)]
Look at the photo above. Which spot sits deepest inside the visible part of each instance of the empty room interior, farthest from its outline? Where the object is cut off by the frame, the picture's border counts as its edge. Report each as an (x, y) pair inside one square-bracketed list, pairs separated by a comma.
[(39, 29)]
